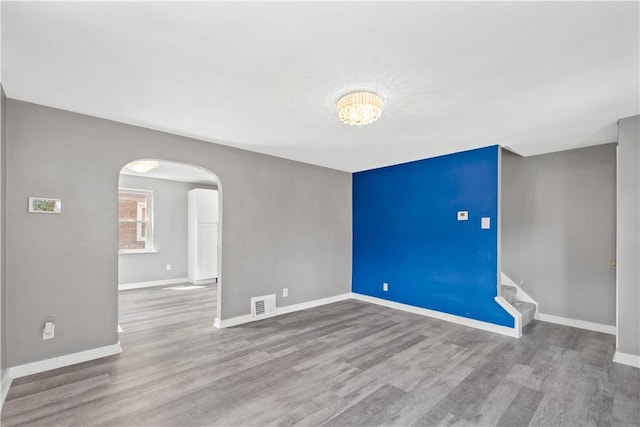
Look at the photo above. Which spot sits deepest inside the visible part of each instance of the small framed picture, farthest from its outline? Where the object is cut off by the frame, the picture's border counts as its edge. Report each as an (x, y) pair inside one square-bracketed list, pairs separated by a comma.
[(44, 205)]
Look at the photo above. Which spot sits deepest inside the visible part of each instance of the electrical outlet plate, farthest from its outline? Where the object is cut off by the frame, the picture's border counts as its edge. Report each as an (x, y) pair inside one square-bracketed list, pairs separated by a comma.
[(285, 292), (385, 287), (49, 329), (463, 215)]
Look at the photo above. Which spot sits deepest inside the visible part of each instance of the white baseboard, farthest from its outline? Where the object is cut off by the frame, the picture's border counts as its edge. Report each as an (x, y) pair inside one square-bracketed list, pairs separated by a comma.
[(239, 320), (311, 304), (5, 383), (503, 330), (140, 285), (627, 359), (66, 360), (203, 281), (582, 324), (478, 324), (234, 321)]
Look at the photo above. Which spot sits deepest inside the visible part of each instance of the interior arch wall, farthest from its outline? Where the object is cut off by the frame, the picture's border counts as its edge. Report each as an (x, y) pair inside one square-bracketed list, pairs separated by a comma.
[(286, 224)]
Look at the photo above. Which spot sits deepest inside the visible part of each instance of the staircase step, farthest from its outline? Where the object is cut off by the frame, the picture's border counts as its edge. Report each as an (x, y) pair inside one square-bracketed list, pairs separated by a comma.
[(527, 309), (509, 288), (509, 293)]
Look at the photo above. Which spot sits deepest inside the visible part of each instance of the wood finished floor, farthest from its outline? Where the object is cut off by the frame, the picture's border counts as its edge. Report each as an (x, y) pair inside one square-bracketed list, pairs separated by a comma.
[(348, 363)]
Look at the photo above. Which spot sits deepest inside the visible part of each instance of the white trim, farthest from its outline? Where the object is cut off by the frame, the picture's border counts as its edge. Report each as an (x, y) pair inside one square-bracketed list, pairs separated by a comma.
[(5, 383), (499, 229), (478, 324), (627, 359), (234, 321), (311, 304), (65, 360), (503, 330), (137, 251), (617, 239), (517, 316), (239, 320), (203, 281), (139, 285), (506, 280), (582, 324)]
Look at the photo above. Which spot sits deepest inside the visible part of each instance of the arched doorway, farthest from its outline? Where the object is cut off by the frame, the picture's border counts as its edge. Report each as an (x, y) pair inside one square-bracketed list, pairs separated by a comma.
[(169, 243)]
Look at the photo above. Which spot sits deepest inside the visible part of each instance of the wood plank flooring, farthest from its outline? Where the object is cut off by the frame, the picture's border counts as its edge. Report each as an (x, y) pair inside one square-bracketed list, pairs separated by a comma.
[(344, 364)]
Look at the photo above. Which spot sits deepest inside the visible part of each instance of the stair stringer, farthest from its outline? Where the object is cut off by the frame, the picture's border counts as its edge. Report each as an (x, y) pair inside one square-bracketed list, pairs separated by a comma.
[(521, 294), (517, 316)]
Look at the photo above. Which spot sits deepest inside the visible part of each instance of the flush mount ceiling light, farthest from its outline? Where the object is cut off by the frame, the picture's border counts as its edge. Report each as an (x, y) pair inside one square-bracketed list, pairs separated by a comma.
[(142, 166), (359, 107)]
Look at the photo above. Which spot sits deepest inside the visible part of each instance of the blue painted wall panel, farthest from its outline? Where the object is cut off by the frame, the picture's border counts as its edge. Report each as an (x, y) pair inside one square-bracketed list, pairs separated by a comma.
[(406, 233)]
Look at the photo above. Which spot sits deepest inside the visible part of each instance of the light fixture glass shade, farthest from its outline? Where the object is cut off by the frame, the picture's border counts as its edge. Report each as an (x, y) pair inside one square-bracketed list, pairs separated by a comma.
[(142, 166), (359, 108)]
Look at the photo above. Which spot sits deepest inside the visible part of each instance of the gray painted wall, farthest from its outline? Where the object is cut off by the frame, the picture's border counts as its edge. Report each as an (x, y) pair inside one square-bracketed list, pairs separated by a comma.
[(558, 230), (628, 236), (169, 232), (3, 228), (284, 224)]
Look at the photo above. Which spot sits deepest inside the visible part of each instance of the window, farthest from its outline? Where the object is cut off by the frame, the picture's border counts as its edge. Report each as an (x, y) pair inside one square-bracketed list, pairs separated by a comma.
[(135, 211)]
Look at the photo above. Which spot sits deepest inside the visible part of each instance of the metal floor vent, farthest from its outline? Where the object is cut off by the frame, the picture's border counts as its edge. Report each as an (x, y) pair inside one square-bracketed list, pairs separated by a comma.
[(263, 306)]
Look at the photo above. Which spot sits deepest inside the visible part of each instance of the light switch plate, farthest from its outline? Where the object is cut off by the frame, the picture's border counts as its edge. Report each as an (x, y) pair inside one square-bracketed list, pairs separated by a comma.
[(463, 215), (486, 223)]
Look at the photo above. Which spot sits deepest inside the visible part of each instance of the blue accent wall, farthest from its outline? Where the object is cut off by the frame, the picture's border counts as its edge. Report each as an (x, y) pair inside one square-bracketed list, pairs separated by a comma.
[(406, 233)]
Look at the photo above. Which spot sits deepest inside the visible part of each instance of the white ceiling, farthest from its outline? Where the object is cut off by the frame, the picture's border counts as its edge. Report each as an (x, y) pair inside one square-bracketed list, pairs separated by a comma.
[(176, 172), (535, 76)]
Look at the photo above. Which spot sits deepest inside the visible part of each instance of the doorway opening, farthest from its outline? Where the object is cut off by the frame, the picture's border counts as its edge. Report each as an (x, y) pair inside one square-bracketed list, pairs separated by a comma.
[(169, 247)]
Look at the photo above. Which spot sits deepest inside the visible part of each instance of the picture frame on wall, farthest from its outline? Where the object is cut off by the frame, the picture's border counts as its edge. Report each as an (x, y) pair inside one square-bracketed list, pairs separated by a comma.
[(44, 205)]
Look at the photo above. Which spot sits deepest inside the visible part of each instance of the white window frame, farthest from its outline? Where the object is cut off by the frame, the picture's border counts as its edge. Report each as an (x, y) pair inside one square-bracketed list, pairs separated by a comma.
[(149, 237), (142, 207)]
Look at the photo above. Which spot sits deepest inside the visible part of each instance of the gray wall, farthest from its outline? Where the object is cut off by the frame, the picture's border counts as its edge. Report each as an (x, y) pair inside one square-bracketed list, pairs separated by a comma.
[(284, 224), (628, 236), (169, 232), (558, 230), (3, 228)]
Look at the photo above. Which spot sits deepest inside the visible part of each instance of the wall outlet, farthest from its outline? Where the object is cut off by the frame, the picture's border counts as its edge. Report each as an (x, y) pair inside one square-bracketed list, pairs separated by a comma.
[(168, 267), (48, 330), (285, 292), (385, 287), (463, 215)]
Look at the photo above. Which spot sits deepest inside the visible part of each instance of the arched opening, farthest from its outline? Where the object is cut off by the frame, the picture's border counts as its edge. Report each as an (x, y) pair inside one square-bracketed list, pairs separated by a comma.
[(169, 245)]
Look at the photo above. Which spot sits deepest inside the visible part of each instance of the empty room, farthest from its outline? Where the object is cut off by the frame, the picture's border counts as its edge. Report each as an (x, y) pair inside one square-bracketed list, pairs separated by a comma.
[(320, 213)]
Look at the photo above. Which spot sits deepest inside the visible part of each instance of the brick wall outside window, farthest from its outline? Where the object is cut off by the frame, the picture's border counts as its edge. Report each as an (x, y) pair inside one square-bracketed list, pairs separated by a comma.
[(132, 206)]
